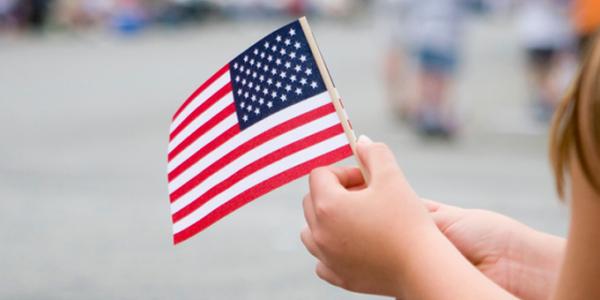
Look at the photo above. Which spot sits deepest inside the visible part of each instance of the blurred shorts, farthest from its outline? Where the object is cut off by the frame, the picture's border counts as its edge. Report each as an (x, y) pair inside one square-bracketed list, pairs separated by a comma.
[(540, 58), (437, 60)]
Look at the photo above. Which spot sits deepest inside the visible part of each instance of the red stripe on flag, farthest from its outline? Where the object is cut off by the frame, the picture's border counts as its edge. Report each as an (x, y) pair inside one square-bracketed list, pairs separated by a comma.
[(220, 116), (273, 132), (218, 141), (202, 108), (261, 189), (257, 165), (199, 90), (251, 144)]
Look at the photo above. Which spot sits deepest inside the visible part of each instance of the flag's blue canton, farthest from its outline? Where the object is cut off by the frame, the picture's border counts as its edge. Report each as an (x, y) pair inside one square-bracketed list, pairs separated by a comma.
[(274, 73)]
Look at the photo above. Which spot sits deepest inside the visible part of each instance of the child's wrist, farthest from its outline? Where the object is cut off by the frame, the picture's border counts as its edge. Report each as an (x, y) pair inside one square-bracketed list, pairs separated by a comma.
[(435, 269), (425, 239), (538, 257)]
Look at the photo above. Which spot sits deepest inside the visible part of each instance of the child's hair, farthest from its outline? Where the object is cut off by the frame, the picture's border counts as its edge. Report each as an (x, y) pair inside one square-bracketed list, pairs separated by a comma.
[(575, 133)]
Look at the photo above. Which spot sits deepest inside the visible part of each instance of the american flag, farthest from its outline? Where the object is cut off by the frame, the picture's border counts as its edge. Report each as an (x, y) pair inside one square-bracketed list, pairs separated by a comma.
[(261, 121)]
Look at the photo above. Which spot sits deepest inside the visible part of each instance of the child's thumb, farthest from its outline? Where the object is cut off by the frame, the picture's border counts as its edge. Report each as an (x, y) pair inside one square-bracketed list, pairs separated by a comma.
[(377, 158)]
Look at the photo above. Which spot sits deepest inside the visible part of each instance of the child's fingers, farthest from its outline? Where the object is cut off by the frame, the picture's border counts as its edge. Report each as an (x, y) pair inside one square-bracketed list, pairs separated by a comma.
[(328, 275), (327, 179), (431, 205), (434, 206), (444, 218), (309, 242), (323, 181), (349, 177), (443, 214), (377, 158)]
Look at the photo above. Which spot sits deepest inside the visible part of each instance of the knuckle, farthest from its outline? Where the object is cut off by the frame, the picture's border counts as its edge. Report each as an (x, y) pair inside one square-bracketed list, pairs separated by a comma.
[(341, 282), (315, 173), (305, 199), (322, 209), (318, 238), (323, 275), (319, 272), (314, 179), (346, 284), (304, 234)]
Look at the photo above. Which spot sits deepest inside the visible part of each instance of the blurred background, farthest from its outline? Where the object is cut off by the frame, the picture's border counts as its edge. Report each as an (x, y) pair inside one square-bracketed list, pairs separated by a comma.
[(462, 90)]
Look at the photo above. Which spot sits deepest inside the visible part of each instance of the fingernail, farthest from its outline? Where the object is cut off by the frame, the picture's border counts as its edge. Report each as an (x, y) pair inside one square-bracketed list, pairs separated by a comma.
[(363, 139)]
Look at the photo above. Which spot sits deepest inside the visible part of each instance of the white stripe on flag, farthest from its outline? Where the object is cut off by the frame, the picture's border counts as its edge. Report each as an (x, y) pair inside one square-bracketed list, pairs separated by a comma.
[(248, 133), (246, 159), (209, 91), (263, 174), (201, 119), (206, 138)]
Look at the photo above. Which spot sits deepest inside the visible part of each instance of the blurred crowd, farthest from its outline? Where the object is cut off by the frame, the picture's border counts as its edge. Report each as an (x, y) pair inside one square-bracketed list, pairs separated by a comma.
[(132, 15), (424, 48)]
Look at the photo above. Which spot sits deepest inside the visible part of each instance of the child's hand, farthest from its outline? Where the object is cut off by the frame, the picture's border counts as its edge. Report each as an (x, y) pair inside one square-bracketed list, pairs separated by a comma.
[(519, 259), (361, 234)]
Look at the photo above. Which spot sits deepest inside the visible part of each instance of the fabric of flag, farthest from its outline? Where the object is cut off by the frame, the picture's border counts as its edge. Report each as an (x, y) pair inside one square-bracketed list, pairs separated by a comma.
[(261, 121)]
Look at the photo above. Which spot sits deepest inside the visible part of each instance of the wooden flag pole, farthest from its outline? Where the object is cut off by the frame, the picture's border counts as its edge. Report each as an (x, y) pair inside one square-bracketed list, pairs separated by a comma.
[(333, 94)]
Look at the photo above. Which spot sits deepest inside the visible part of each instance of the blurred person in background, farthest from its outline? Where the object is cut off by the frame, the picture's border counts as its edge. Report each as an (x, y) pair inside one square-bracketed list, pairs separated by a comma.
[(129, 16), (177, 12), (547, 38), (398, 66), (428, 33), (31, 14), (6, 7), (586, 16), (242, 9), (83, 13), (298, 7), (340, 8), (295, 8)]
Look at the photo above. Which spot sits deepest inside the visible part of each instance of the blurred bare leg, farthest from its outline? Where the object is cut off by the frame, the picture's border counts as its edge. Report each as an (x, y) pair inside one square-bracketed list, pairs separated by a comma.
[(398, 81), (434, 113)]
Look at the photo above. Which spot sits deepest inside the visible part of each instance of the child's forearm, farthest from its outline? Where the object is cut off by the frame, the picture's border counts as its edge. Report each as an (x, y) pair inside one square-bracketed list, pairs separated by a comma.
[(439, 271)]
